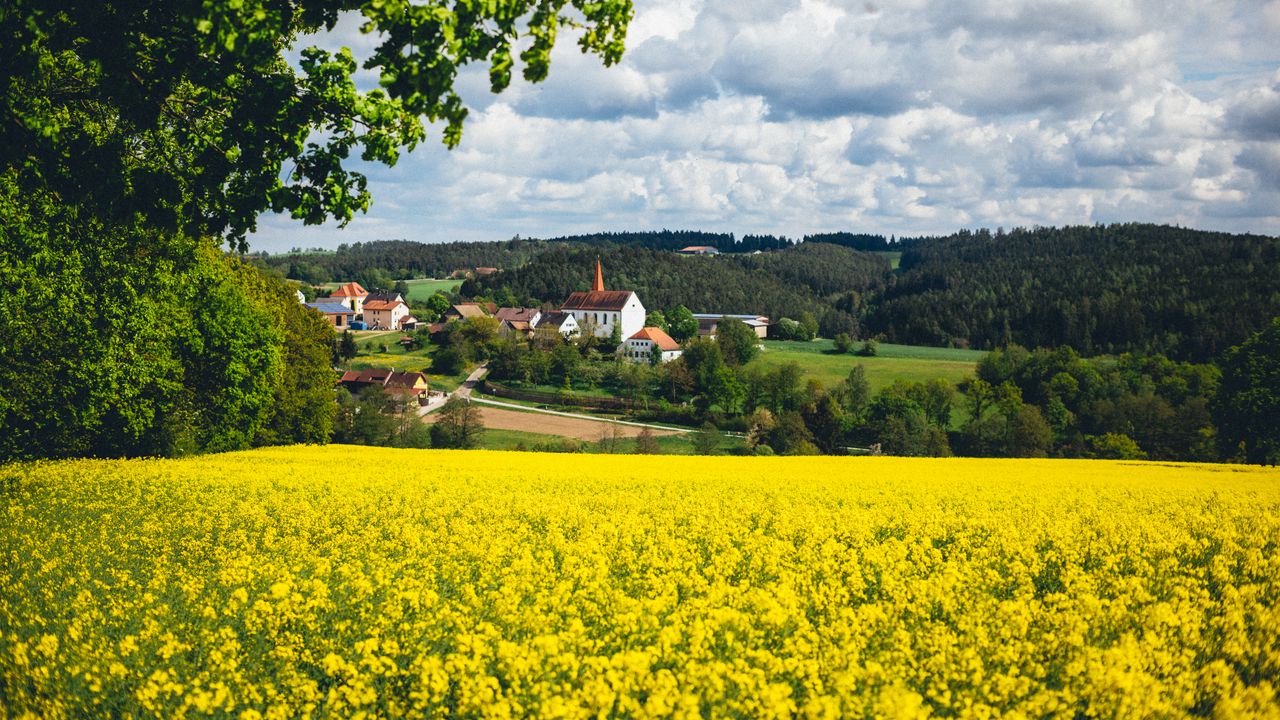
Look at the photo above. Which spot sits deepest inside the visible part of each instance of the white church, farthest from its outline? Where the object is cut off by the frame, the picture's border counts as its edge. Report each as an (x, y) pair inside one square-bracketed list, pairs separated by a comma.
[(603, 310)]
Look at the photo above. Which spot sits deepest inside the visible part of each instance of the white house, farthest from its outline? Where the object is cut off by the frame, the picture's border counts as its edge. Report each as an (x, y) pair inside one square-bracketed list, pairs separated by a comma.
[(561, 322), (641, 346), (603, 310), (389, 314)]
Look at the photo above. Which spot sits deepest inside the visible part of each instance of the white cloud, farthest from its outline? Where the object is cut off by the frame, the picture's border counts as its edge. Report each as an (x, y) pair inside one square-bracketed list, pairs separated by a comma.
[(907, 117)]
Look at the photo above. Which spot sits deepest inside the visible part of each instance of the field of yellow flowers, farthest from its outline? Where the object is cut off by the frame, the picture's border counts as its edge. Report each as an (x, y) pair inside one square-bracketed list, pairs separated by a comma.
[(358, 582)]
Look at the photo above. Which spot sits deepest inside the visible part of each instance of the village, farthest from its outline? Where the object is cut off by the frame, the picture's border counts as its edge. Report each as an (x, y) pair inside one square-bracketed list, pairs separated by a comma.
[(612, 324)]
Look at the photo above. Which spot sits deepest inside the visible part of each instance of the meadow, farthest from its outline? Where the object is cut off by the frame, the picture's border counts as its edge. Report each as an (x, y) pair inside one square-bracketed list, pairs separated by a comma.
[(817, 358), (359, 582), (423, 288)]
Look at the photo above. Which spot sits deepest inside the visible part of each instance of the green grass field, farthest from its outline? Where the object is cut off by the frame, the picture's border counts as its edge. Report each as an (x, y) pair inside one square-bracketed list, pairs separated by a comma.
[(892, 256), (369, 346), (420, 290), (892, 362)]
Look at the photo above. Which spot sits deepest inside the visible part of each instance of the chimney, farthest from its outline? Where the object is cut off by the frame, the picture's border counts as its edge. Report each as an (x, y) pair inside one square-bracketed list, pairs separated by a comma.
[(598, 285)]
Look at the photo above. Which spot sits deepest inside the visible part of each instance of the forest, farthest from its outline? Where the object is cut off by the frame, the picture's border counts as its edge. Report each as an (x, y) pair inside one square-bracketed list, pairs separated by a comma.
[(1187, 294), (1101, 289)]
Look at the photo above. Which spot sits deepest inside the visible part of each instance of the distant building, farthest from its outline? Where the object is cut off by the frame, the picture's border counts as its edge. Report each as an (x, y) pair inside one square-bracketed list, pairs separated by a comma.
[(698, 250), (338, 315), (462, 311), (485, 271), (561, 322), (351, 295), (707, 323), (603, 310), (641, 346), (521, 314), (413, 384)]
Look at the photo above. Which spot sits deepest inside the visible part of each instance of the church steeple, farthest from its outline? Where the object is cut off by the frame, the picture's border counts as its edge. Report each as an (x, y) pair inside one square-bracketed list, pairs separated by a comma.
[(598, 285)]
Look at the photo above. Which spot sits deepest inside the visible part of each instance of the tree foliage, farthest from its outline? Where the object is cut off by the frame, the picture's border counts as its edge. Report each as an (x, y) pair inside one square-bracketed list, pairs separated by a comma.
[(134, 139), (189, 113), (1182, 293), (1247, 406)]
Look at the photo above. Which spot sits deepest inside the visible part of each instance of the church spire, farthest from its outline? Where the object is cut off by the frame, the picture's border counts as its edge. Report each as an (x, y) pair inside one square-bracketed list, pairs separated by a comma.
[(598, 285)]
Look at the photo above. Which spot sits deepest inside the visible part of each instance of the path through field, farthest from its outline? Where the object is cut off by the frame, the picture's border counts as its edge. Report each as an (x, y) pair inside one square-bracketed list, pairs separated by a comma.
[(574, 427)]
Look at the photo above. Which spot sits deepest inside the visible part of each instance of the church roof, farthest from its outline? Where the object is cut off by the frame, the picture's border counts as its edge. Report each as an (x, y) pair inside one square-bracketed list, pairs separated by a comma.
[(612, 300)]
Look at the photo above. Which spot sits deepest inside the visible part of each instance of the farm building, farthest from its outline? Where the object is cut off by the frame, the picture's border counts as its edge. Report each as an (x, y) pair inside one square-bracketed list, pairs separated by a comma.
[(707, 323), (338, 315), (413, 384)]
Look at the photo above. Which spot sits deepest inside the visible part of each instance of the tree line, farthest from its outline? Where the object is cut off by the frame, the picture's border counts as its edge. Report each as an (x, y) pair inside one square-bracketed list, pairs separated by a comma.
[(1104, 289)]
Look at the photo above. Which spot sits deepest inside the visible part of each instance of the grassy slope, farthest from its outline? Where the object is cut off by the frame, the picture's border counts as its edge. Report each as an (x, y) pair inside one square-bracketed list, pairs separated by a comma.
[(892, 362), (369, 346), (420, 290)]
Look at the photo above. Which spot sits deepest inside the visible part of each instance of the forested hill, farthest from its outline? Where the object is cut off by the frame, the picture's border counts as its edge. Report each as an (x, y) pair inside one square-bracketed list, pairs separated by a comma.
[(401, 258), (1103, 289), (827, 281), (677, 239)]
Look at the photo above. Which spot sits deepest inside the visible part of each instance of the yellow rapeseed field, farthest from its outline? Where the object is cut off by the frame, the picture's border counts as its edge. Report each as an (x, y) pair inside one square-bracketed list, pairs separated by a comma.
[(357, 582)]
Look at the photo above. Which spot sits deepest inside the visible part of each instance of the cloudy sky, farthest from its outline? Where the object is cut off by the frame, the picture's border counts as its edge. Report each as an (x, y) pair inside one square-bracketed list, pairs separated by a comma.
[(897, 117)]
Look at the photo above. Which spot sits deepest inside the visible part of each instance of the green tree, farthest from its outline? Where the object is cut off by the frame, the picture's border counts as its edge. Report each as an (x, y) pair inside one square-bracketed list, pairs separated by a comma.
[(738, 343), (681, 323), (347, 347), (133, 142), (1115, 446), (843, 343), (1247, 408), (854, 393), (646, 443), (706, 440), (191, 114), (655, 318), (459, 425)]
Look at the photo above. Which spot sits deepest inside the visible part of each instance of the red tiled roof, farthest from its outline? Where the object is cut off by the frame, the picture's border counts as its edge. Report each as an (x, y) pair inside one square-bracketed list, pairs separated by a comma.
[(657, 337), (405, 379), (381, 304), (598, 300), (351, 289), (516, 314)]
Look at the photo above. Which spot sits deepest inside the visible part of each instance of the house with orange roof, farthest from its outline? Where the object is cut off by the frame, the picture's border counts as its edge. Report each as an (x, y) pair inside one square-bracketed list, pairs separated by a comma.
[(640, 347), (602, 310), (386, 314), (351, 295)]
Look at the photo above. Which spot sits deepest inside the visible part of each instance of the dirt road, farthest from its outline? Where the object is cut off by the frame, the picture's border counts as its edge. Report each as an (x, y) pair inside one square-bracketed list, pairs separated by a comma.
[(580, 428)]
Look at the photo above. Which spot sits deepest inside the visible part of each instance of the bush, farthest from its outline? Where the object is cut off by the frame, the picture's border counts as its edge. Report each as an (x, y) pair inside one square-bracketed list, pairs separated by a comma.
[(844, 343), (1114, 446), (869, 348)]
